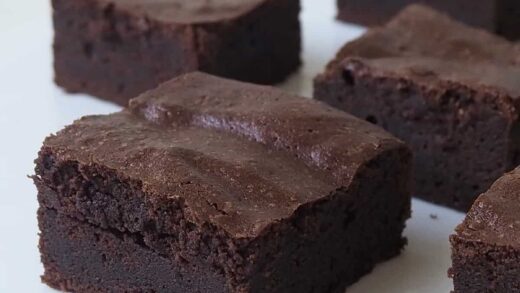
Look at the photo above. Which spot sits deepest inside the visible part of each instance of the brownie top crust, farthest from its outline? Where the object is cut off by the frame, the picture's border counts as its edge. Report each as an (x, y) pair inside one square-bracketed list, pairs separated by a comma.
[(239, 156), (495, 216), (431, 49), (186, 12)]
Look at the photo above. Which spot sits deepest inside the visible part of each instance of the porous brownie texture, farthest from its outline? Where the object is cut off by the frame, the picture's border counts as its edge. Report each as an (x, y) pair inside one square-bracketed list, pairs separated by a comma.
[(497, 16), (211, 185), (117, 49), (486, 246), (448, 90)]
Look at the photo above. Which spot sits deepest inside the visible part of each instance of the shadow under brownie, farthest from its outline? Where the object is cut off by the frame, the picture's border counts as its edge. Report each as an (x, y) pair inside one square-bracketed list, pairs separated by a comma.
[(448, 90), (117, 49), (486, 246), (212, 185)]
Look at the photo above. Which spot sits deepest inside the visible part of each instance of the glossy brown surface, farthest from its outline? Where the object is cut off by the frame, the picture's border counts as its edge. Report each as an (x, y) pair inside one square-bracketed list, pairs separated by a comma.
[(216, 135), (430, 48), (495, 215)]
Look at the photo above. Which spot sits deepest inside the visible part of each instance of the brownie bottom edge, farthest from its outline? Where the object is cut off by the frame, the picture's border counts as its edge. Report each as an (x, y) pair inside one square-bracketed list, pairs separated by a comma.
[(79, 257)]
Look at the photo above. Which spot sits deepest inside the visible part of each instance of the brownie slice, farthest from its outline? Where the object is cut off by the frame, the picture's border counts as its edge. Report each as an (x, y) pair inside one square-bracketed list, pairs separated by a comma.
[(117, 49), (211, 185), (498, 16), (450, 91), (486, 246)]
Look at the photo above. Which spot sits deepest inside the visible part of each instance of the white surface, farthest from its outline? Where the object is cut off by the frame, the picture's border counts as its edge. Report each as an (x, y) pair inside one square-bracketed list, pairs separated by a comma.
[(31, 107)]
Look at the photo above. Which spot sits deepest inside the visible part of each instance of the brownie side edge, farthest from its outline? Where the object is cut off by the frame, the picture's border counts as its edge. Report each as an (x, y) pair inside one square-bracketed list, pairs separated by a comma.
[(112, 54), (374, 13), (268, 51), (79, 257), (440, 124), (479, 267), (330, 244), (99, 197), (508, 19)]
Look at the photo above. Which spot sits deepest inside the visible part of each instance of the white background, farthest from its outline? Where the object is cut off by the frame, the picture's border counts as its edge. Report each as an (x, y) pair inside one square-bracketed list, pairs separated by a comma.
[(31, 107)]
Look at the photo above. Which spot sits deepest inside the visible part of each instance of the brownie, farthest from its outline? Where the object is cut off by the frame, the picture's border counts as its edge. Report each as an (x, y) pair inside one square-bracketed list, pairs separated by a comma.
[(211, 185), (448, 90), (497, 16), (117, 49), (486, 246)]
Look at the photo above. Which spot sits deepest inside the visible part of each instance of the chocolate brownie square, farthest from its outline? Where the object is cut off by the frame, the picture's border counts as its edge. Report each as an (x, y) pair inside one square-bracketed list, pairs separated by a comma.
[(117, 49), (211, 185), (498, 16), (486, 246), (448, 90)]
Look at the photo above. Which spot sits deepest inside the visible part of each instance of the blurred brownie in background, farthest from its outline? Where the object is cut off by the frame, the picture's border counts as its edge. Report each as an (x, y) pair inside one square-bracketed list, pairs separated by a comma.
[(116, 49), (498, 16), (450, 91)]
